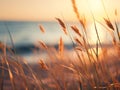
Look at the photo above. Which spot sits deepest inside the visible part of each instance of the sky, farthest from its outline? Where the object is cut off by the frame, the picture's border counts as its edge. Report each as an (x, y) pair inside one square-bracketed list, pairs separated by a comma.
[(47, 10)]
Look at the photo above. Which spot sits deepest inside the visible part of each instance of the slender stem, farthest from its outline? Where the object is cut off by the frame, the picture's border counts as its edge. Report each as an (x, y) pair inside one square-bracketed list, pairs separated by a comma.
[(12, 42), (117, 29), (2, 75), (105, 10), (14, 51)]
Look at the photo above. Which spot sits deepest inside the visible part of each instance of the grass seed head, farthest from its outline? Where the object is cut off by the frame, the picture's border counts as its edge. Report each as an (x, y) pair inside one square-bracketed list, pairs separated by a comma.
[(76, 30), (62, 24), (61, 46), (78, 41), (109, 24), (43, 45), (43, 65), (42, 29)]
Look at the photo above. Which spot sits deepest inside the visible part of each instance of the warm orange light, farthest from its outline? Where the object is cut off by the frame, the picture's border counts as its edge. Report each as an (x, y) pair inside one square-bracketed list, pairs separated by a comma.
[(93, 39), (95, 5), (97, 9), (49, 9)]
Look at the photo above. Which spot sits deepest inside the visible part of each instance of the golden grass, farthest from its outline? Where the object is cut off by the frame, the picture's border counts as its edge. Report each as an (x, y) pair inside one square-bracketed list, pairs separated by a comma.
[(66, 73), (83, 69)]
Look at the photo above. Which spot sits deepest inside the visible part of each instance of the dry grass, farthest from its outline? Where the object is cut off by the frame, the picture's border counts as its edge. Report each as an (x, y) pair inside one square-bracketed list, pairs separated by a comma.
[(84, 69)]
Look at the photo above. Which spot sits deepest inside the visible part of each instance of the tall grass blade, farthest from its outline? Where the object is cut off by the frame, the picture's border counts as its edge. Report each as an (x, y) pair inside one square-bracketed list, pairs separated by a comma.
[(12, 42), (19, 65), (9, 70)]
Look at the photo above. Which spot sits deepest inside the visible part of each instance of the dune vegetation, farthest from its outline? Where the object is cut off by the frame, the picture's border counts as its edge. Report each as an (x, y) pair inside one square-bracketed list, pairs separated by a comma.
[(88, 67)]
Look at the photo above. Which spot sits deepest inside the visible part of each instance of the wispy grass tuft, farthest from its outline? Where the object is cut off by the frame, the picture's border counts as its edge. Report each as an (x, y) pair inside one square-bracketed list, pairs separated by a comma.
[(84, 67)]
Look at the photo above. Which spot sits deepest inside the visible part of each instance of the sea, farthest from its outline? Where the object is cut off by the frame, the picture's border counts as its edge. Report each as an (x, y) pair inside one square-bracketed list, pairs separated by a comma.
[(24, 35)]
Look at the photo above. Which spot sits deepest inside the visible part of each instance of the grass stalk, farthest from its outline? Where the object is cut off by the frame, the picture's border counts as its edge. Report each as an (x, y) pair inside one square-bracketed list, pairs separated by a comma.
[(39, 83), (9, 70), (117, 29), (2, 75), (19, 65)]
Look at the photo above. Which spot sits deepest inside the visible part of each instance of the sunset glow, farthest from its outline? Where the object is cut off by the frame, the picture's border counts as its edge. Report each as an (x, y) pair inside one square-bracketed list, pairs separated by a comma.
[(101, 31), (95, 5), (49, 9), (96, 8), (59, 44)]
